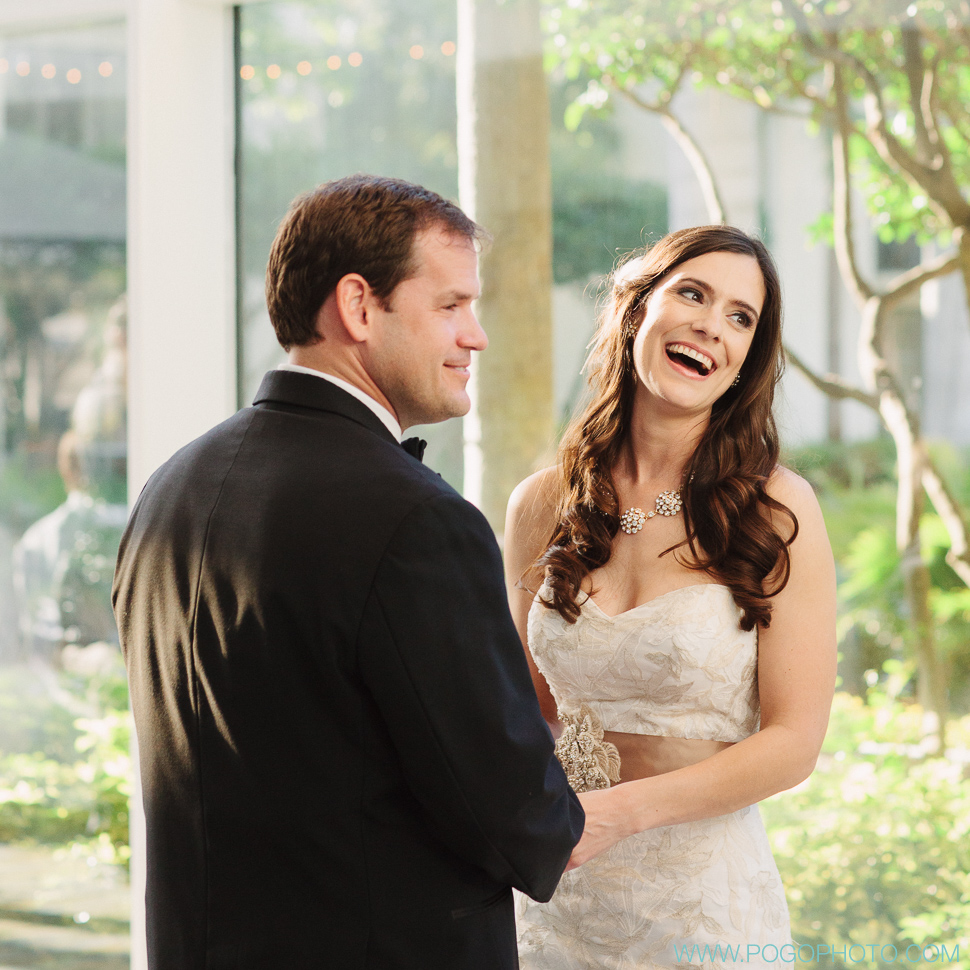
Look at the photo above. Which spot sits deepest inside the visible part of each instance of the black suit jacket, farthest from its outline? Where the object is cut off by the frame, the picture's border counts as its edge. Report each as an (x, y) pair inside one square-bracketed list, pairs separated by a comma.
[(343, 760)]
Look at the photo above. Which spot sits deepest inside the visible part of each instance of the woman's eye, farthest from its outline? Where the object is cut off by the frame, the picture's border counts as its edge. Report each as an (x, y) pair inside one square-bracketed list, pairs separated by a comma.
[(691, 293), (742, 319)]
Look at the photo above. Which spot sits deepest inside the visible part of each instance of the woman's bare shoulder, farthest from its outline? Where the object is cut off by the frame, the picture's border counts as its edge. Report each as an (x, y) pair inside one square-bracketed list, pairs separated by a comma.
[(797, 494), (536, 497), (788, 486), (532, 514)]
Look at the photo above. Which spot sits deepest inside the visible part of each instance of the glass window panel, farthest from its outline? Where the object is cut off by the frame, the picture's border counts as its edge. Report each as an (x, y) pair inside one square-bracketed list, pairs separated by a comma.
[(328, 89), (63, 701), (340, 86)]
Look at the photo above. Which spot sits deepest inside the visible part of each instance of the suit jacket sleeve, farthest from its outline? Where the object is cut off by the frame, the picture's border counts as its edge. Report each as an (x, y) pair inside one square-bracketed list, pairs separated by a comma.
[(442, 658)]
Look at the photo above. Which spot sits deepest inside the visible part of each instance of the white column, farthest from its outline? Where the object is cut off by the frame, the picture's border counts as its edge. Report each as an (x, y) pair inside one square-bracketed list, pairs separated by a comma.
[(181, 227), (181, 260)]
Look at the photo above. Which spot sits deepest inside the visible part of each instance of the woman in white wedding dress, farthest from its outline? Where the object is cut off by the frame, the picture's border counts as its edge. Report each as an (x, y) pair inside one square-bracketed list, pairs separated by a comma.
[(675, 589)]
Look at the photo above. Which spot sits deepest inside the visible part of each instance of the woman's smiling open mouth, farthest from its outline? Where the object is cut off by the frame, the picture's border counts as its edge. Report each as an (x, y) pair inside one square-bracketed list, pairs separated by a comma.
[(690, 359)]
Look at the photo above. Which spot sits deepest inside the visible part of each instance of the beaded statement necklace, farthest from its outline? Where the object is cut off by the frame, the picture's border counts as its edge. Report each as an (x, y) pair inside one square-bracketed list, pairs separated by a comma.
[(668, 503)]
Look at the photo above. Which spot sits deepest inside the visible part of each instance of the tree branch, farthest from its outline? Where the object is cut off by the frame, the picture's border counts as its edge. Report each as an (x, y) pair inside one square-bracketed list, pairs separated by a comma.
[(958, 555), (842, 194), (939, 183), (802, 90), (832, 384), (914, 278), (930, 107), (688, 145), (699, 163), (916, 79)]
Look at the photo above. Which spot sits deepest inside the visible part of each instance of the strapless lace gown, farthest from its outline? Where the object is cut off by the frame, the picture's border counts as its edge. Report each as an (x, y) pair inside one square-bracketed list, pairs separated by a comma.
[(677, 666)]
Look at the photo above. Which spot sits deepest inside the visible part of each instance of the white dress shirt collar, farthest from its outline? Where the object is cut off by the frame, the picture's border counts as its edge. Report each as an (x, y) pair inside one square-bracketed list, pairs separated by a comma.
[(388, 419)]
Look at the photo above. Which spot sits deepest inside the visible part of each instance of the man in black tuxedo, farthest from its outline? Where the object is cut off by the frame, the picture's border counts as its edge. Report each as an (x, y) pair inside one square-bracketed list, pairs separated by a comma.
[(343, 761)]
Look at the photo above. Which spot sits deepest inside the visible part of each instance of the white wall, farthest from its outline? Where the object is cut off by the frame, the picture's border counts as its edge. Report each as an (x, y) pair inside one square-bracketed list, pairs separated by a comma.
[(796, 192), (796, 185), (727, 131), (946, 360)]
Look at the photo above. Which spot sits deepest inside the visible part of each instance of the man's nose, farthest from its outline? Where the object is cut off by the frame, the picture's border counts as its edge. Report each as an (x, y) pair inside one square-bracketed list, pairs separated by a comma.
[(473, 336)]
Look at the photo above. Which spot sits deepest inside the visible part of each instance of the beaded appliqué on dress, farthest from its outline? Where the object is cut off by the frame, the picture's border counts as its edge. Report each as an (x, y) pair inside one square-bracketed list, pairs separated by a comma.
[(590, 762)]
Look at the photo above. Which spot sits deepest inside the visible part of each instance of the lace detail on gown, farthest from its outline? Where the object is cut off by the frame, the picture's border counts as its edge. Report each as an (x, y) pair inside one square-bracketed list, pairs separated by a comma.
[(677, 666)]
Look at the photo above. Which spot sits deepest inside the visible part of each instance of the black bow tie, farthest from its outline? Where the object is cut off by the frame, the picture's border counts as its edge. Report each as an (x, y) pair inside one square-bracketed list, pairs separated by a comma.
[(415, 447)]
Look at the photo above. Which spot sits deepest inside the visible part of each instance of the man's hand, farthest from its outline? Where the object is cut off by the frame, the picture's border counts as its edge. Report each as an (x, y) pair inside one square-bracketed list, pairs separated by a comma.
[(607, 822)]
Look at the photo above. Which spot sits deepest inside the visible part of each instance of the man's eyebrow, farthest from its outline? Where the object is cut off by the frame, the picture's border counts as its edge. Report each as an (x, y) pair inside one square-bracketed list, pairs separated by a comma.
[(458, 296), (709, 290)]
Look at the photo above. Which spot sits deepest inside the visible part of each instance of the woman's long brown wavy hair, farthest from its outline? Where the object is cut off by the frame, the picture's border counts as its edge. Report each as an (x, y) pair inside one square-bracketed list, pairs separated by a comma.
[(727, 510)]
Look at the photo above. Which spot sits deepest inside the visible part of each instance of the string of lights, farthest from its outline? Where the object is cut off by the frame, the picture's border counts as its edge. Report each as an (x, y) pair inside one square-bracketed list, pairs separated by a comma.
[(334, 62), (73, 75), (49, 71)]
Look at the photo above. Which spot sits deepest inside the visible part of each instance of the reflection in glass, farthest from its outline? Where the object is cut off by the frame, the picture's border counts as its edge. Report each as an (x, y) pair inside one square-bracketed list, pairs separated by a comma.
[(63, 701), (328, 89)]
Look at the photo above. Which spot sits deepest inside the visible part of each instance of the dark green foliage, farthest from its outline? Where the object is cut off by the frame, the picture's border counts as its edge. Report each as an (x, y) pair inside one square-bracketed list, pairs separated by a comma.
[(596, 221), (39, 280), (599, 212)]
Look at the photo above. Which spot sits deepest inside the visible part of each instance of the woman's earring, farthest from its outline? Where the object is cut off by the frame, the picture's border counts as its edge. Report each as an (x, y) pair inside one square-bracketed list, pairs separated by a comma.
[(737, 379), (630, 329)]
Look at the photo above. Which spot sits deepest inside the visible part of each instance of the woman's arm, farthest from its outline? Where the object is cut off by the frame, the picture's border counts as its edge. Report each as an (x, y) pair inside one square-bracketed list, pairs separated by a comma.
[(796, 678), (528, 526)]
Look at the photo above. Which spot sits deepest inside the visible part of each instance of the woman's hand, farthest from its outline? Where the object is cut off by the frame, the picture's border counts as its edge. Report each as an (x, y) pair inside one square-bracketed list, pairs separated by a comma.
[(607, 822)]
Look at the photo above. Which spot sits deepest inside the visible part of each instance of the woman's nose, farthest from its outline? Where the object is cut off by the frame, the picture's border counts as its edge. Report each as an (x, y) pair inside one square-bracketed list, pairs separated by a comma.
[(708, 321)]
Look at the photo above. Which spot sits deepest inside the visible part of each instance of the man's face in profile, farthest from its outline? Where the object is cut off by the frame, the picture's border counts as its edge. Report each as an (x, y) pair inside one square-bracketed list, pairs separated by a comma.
[(421, 359)]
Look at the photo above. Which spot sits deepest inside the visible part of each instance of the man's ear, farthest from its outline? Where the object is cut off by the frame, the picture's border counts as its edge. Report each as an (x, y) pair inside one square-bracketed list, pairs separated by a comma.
[(355, 302)]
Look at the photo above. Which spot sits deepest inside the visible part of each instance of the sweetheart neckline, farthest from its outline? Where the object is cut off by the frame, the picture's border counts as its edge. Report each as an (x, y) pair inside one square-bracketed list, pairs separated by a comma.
[(680, 589)]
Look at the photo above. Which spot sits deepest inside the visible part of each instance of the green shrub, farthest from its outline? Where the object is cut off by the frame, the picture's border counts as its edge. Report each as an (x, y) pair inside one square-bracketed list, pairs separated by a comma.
[(72, 782), (874, 848)]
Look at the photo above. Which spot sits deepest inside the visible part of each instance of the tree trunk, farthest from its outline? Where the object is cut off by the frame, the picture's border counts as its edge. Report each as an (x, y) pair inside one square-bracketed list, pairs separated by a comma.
[(505, 183), (902, 424), (931, 688)]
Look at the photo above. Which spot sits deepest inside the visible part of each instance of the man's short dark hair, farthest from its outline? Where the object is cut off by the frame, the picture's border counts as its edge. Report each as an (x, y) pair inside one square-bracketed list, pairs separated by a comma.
[(360, 224)]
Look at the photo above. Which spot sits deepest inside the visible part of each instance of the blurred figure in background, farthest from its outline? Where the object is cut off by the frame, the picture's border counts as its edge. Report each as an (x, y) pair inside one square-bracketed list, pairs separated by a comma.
[(63, 563)]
